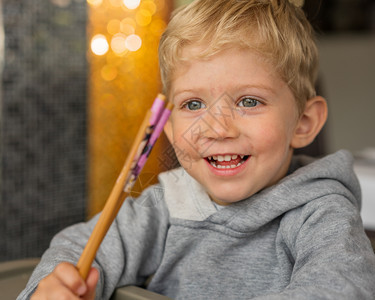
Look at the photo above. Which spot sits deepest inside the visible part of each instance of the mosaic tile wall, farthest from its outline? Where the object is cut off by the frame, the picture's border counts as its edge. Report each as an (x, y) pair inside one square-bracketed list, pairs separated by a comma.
[(43, 122)]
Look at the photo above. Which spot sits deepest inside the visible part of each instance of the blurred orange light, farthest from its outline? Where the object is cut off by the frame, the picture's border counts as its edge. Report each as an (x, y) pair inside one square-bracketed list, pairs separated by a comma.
[(157, 26), (148, 5), (116, 3), (108, 72), (143, 17), (113, 26)]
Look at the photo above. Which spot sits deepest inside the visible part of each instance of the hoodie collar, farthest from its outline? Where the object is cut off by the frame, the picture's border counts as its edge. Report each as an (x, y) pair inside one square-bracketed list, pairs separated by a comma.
[(307, 180)]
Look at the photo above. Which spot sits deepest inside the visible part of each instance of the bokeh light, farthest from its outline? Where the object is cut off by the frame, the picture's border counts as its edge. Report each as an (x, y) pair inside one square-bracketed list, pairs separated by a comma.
[(127, 26), (143, 17), (149, 6), (108, 72), (113, 26), (99, 44), (118, 43), (133, 42), (132, 4)]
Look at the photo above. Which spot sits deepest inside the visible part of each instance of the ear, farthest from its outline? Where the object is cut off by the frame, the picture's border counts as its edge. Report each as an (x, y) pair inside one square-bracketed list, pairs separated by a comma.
[(310, 122)]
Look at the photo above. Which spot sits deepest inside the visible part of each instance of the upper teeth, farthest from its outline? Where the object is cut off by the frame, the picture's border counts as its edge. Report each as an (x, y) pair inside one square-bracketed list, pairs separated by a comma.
[(219, 158), (225, 157)]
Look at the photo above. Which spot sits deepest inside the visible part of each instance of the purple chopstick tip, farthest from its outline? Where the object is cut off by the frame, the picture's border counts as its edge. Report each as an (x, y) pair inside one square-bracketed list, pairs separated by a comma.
[(157, 108)]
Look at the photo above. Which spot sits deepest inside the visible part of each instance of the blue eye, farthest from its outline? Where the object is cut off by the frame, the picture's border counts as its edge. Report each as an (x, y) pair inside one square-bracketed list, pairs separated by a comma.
[(248, 102), (194, 105)]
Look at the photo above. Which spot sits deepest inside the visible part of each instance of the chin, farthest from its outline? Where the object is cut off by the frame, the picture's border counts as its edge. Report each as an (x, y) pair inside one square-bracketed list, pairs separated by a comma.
[(228, 199)]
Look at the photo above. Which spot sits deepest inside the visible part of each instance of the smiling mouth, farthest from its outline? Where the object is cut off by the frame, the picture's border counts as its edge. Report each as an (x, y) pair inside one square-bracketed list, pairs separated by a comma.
[(228, 161)]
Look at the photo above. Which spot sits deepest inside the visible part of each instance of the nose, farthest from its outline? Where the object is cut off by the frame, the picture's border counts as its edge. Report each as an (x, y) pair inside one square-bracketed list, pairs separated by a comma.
[(221, 121)]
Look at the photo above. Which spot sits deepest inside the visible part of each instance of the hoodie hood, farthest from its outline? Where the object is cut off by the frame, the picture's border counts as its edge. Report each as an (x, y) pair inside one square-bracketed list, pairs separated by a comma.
[(308, 179)]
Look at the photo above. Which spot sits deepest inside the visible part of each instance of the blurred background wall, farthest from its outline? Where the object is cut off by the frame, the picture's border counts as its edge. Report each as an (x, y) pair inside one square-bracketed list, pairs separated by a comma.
[(77, 76), (43, 123), (346, 41)]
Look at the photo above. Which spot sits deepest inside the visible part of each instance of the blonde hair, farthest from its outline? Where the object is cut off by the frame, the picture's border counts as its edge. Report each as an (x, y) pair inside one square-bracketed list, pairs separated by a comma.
[(276, 29)]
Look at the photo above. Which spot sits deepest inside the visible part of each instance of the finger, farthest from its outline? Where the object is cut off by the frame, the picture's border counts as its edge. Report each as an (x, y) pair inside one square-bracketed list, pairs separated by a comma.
[(91, 282), (70, 277), (52, 288)]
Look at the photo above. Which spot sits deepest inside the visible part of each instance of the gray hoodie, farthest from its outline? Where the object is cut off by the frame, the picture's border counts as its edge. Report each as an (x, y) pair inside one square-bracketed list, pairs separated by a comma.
[(302, 238)]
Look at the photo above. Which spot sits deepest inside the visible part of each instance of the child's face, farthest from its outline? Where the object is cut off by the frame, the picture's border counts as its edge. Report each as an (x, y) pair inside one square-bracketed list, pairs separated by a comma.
[(232, 107)]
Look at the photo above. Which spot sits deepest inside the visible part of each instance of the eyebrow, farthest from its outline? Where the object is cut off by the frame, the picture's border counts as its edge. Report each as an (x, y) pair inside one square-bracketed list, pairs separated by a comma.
[(236, 87), (256, 86), (192, 90)]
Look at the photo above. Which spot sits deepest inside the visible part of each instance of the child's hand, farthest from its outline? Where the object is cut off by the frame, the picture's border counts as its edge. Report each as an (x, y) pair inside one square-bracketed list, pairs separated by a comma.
[(65, 282)]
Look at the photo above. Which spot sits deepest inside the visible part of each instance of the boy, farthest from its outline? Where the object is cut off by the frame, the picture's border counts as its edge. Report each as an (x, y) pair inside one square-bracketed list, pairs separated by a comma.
[(242, 218)]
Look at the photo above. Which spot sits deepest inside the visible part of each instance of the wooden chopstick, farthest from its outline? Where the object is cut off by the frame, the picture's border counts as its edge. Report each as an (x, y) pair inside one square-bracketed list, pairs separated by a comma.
[(147, 135), (112, 205)]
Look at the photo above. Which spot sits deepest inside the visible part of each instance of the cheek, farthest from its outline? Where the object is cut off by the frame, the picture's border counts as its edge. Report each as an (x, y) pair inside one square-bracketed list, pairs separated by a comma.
[(186, 133), (271, 136), (183, 144), (178, 133)]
